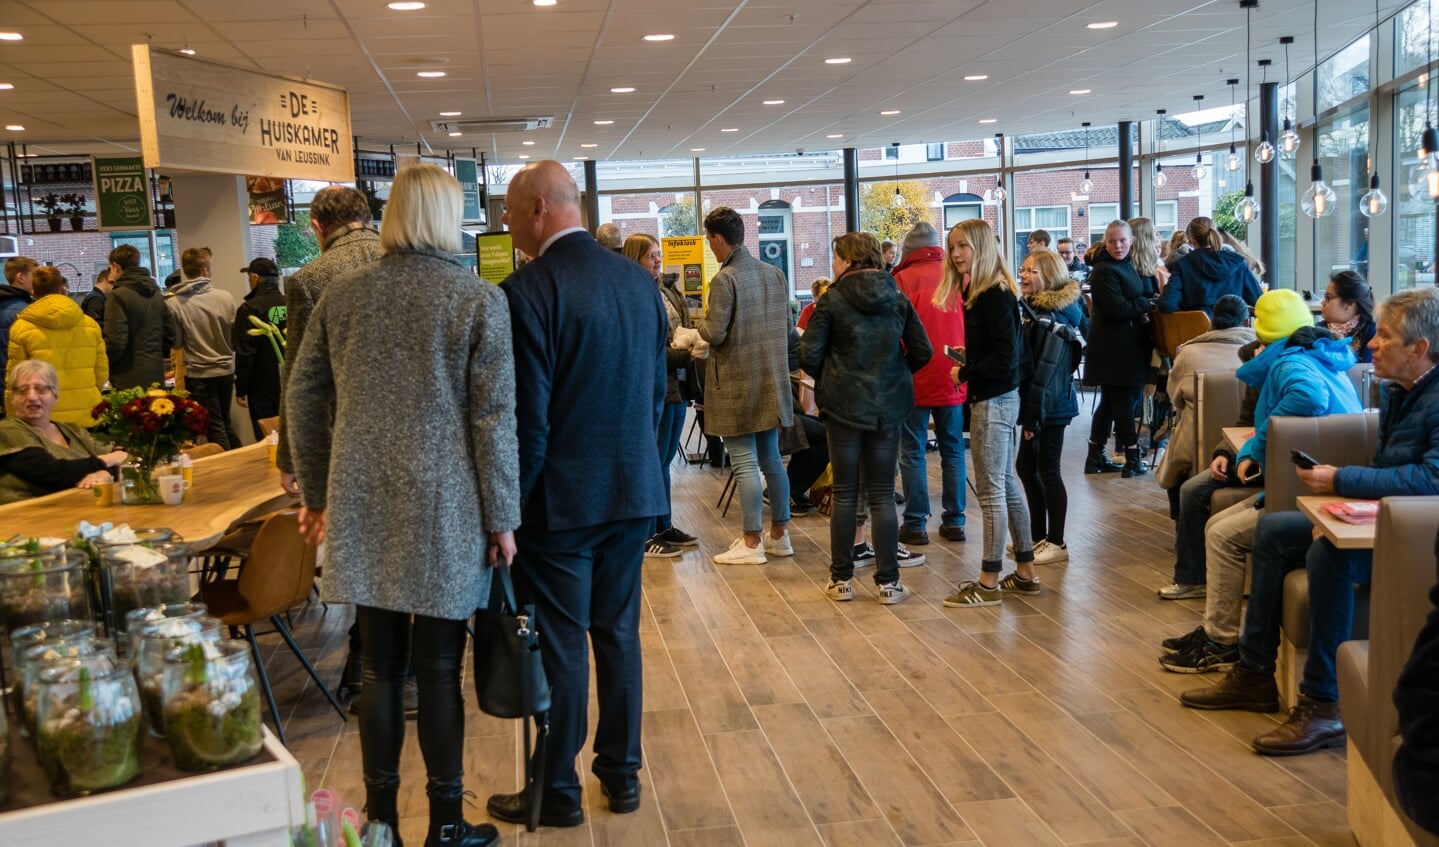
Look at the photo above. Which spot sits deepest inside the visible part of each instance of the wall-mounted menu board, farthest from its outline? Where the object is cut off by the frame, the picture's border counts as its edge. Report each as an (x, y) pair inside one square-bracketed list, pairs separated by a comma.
[(198, 115)]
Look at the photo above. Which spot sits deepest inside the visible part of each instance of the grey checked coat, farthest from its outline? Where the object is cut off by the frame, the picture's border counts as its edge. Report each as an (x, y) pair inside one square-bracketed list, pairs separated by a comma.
[(420, 461), (747, 324)]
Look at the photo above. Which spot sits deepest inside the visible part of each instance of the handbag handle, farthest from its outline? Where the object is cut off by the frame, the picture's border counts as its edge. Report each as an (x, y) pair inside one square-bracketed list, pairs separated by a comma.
[(508, 584)]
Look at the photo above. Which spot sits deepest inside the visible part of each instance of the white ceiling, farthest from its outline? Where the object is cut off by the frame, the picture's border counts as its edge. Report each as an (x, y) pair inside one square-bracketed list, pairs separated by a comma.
[(508, 58)]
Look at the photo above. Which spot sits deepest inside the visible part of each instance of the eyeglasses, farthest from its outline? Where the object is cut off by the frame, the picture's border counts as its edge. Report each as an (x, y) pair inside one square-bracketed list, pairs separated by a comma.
[(656, 254), (1023, 271), (1328, 297), (25, 390)]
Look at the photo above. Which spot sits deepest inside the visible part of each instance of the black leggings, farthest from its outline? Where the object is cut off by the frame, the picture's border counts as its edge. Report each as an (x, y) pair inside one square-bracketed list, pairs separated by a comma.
[(438, 646), (1116, 410), (870, 455), (1038, 467)]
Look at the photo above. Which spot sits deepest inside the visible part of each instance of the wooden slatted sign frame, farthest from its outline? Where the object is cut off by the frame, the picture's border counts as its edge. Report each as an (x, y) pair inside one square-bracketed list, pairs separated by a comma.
[(209, 117)]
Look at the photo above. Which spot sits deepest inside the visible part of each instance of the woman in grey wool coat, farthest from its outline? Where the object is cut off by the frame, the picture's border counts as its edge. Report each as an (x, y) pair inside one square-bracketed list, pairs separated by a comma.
[(413, 480)]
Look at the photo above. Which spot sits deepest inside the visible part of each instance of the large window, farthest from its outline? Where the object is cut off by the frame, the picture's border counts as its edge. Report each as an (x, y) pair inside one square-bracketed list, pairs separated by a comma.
[(1345, 75), (1410, 203), (1341, 240), (1411, 48)]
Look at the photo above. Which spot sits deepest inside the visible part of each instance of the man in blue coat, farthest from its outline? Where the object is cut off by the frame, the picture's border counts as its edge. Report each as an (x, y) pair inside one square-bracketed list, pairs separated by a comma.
[(590, 335), (1406, 462)]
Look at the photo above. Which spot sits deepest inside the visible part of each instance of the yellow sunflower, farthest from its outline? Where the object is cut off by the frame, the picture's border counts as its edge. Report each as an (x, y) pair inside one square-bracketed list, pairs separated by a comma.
[(162, 406), (155, 392)]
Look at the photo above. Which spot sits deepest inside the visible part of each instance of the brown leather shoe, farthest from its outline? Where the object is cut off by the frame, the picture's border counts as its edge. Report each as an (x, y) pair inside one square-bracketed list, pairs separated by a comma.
[(1241, 688), (1312, 725)]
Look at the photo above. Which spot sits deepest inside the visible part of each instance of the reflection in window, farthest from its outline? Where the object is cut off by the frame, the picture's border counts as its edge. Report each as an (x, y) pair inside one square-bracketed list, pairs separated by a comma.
[(1410, 203), (1411, 48), (1345, 75), (1341, 240)]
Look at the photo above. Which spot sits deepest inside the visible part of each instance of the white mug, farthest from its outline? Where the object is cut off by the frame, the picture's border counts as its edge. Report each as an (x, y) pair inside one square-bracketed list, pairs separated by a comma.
[(172, 488)]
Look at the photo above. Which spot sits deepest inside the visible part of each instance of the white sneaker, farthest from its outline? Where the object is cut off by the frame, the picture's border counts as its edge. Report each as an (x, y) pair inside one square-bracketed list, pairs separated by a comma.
[(1047, 553), (839, 590), (740, 553), (778, 546), (893, 593)]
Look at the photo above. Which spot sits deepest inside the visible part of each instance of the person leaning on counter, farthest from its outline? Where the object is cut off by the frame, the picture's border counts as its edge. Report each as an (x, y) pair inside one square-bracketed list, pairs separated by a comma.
[(40, 456)]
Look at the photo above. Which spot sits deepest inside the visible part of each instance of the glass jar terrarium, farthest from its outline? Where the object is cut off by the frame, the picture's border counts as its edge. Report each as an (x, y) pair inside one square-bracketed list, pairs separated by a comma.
[(156, 640), (34, 635), (212, 705), (57, 651), (42, 587), (136, 576), (88, 738), (138, 618)]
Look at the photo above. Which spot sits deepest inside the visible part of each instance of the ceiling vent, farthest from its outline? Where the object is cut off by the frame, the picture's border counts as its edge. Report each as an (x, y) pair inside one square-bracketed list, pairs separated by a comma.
[(493, 124)]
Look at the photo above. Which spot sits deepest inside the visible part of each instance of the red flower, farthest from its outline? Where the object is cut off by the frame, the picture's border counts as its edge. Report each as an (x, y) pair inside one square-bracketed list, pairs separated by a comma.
[(132, 408), (100, 409)]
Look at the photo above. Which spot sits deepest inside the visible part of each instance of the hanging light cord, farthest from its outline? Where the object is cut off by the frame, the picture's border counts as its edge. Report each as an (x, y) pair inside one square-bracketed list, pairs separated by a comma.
[(1315, 80)]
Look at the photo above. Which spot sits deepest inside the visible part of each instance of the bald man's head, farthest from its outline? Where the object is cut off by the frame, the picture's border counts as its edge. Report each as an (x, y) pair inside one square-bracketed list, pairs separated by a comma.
[(542, 200)]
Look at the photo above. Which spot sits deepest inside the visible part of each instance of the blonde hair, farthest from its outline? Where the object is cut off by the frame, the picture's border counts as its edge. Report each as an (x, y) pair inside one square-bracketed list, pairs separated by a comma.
[(986, 270), (1145, 251), (1255, 266), (424, 210), (638, 247), (1053, 275)]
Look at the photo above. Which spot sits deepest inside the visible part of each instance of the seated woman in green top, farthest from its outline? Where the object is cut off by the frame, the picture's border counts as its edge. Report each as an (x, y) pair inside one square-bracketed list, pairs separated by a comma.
[(37, 455)]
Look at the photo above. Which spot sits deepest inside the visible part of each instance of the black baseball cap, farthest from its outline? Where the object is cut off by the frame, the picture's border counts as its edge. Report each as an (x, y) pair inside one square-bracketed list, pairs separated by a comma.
[(262, 267)]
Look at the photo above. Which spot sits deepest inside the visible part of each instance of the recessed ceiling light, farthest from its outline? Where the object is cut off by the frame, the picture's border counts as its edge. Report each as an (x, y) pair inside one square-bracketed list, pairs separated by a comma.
[(888, 112), (528, 143), (1102, 25), (588, 146), (988, 120), (407, 6), (11, 36), (660, 36), (6, 86), (603, 123), (976, 78), (544, 2), (730, 129), (697, 149), (622, 90), (838, 60), (451, 114), (15, 127), (581, 158), (430, 74), (187, 51), (836, 135), (1079, 91), (456, 134), (774, 102), (523, 156)]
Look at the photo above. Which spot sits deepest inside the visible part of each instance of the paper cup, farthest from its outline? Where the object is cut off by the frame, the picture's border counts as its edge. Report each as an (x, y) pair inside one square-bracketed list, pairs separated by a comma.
[(172, 488), (274, 451), (189, 474), (104, 493)]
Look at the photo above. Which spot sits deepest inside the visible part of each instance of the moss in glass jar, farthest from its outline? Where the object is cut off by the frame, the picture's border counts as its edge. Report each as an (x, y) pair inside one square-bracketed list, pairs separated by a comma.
[(87, 749), (26, 601), (211, 724)]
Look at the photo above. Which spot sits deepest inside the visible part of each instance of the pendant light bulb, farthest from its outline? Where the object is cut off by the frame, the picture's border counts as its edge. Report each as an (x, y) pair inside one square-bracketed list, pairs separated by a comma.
[(1160, 178), (1428, 151), (1233, 162), (998, 193), (1264, 153), (1373, 202), (1288, 142), (898, 200), (1247, 210), (1319, 200), (1199, 171), (1087, 186)]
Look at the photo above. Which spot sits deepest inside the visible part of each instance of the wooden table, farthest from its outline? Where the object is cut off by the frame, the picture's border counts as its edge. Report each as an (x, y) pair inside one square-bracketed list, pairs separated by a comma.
[(225, 488), (1237, 436), (1345, 536)]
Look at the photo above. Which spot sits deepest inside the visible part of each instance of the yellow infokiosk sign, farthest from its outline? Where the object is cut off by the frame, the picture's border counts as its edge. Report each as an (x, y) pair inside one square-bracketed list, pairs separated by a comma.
[(690, 259), (208, 117)]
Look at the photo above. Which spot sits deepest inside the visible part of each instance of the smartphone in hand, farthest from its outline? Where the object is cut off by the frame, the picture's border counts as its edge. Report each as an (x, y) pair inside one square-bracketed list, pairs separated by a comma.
[(1303, 459), (956, 354)]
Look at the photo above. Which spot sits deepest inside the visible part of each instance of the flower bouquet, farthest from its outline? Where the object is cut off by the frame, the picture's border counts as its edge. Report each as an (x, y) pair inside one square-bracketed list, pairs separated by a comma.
[(150, 425)]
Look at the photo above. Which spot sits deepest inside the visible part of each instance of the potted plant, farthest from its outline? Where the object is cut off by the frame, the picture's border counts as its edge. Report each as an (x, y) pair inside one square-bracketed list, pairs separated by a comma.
[(52, 204), (150, 425), (75, 208)]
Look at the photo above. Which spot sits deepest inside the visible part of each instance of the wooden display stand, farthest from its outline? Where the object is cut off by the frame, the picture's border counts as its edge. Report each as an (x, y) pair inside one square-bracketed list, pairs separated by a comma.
[(252, 805)]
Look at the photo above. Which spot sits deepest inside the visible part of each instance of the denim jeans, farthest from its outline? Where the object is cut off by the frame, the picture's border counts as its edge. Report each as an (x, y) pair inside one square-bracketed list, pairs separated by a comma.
[(672, 423), (991, 437), (869, 454), (806, 466), (750, 455), (914, 475), (1284, 541), (1039, 471)]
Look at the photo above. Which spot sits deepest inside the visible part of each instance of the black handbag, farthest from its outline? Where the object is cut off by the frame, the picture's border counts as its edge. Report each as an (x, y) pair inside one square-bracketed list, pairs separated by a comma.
[(510, 680)]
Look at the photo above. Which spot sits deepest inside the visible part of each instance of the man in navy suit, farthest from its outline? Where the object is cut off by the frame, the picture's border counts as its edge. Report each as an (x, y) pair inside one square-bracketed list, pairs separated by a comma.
[(590, 334)]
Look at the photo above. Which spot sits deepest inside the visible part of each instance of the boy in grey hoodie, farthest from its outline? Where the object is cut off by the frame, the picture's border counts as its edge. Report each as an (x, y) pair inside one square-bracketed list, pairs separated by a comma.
[(205, 316)]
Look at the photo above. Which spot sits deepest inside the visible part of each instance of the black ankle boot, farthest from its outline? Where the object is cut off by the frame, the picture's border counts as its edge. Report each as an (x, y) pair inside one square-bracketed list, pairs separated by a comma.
[(1133, 465), (1097, 461), (448, 827)]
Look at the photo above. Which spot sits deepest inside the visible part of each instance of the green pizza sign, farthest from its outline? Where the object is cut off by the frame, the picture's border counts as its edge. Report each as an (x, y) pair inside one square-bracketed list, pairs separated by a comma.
[(122, 193)]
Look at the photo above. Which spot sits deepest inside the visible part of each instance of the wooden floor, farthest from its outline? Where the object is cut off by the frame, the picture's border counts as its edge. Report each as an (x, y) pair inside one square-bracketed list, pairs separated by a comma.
[(774, 716)]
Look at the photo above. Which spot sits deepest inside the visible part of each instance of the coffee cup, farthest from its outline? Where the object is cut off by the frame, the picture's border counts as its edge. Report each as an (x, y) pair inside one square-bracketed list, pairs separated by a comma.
[(274, 449), (104, 493), (172, 488)]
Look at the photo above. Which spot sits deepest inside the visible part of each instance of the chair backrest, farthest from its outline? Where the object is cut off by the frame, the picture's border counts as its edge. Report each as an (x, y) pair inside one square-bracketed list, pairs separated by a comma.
[(1365, 385), (1172, 329), (280, 570), (1333, 440), (200, 451), (269, 425), (1217, 398)]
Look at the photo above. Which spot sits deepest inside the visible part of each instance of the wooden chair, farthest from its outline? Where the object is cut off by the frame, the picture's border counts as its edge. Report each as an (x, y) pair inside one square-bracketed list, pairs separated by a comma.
[(269, 425), (279, 572), (1172, 329), (200, 451)]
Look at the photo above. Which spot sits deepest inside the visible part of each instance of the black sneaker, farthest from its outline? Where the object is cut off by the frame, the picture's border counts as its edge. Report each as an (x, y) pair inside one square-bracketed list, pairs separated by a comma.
[(907, 558), (914, 537), (656, 548), (1188, 640), (863, 555), (798, 508), (1203, 658), (951, 533), (678, 537)]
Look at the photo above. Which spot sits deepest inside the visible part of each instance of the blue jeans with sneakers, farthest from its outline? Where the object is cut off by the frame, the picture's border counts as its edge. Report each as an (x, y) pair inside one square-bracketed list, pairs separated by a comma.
[(914, 476), (751, 455), (991, 436)]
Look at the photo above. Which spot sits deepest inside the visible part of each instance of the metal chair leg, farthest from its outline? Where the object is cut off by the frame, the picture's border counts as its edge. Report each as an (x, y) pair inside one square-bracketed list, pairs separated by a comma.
[(724, 491), (265, 683), (309, 668)]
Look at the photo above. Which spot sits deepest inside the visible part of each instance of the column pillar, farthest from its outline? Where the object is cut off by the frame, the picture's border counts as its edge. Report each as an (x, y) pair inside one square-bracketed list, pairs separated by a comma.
[(1126, 170), (1268, 183), (592, 195), (851, 190)]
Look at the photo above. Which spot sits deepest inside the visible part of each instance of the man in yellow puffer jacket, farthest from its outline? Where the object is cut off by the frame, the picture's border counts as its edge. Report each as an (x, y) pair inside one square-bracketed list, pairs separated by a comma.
[(53, 329)]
